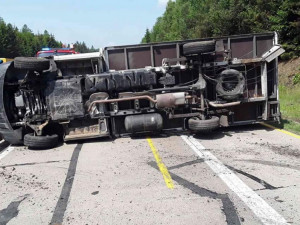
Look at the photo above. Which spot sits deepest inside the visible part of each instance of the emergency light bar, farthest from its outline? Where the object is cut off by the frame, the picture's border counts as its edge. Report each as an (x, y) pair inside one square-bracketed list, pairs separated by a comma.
[(48, 49)]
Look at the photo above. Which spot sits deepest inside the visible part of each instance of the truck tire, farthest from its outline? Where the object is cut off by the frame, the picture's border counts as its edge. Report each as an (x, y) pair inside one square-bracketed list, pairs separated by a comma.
[(197, 125), (41, 142), (230, 84), (199, 47), (31, 63)]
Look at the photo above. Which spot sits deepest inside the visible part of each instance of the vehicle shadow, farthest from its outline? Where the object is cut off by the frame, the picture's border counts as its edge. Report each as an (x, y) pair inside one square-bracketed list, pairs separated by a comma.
[(213, 135), (60, 144), (93, 140), (3, 145), (230, 131)]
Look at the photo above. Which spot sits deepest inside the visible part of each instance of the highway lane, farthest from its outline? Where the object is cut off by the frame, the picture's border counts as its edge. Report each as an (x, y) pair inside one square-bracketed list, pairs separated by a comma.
[(243, 175)]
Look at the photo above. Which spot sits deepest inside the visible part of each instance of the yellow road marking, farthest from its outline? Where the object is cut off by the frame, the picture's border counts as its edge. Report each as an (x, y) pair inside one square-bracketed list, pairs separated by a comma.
[(281, 130), (163, 169)]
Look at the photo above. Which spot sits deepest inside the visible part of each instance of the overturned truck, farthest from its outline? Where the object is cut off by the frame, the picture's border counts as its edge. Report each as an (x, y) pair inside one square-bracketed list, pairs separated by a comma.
[(196, 85)]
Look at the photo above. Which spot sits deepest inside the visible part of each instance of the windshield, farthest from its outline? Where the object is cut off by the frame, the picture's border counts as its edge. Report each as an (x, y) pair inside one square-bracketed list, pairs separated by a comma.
[(46, 54)]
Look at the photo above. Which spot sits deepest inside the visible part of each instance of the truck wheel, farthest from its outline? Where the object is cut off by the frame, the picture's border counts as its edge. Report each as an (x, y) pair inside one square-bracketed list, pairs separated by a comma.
[(197, 125), (199, 47), (230, 84), (41, 142), (31, 63)]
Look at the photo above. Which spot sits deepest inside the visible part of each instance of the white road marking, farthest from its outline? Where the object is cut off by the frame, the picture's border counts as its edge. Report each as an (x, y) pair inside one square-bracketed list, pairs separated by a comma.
[(6, 151), (260, 208)]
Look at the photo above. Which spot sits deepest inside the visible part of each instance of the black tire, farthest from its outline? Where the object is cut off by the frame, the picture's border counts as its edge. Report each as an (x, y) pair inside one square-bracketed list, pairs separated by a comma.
[(197, 125), (199, 47), (232, 92), (41, 142), (32, 63)]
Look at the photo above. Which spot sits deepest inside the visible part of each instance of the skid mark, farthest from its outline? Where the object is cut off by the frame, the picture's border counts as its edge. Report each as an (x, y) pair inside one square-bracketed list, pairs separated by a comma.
[(62, 203), (228, 206), (252, 177), (186, 164), (259, 206)]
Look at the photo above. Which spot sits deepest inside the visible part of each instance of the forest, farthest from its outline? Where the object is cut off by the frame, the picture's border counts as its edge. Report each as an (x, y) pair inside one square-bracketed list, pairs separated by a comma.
[(23, 42), (191, 19)]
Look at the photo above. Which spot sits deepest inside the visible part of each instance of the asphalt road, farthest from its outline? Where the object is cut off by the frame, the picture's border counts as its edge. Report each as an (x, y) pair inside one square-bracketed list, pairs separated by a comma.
[(244, 175)]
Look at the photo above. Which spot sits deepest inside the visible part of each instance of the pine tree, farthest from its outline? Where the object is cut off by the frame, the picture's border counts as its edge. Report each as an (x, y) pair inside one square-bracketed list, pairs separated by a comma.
[(147, 38)]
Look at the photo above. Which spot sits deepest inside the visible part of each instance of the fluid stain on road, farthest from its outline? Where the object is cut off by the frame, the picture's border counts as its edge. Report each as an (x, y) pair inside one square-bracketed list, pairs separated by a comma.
[(11, 211), (288, 150), (271, 163)]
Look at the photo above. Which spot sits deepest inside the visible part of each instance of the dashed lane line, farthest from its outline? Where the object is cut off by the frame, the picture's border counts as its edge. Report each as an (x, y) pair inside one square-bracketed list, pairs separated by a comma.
[(6, 151), (281, 130), (163, 169), (259, 207)]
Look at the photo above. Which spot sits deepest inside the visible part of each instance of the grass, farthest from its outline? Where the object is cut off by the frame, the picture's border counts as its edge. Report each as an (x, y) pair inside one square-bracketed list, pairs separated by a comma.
[(290, 107)]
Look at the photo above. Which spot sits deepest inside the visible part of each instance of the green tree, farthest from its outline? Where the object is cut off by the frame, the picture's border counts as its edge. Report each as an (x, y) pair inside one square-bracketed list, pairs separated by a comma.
[(287, 22), (185, 19), (146, 38), (25, 43)]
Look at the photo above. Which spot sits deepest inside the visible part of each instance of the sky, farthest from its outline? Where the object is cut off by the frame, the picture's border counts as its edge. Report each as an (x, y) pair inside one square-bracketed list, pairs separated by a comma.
[(96, 22)]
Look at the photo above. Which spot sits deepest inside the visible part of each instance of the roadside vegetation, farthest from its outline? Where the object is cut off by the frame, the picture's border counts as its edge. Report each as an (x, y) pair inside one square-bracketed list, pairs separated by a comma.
[(289, 93), (188, 19), (23, 42)]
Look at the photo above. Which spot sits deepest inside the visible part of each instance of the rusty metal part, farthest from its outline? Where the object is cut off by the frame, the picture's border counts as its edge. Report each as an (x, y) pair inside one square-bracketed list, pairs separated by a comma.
[(145, 97), (247, 61), (38, 128), (91, 131), (223, 105), (170, 100), (172, 116), (64, 122), (167, 61), (84, 136)]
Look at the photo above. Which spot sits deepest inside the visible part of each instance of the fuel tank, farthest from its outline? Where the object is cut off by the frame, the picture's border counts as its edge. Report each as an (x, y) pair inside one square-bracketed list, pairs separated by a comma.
[(143, 123)]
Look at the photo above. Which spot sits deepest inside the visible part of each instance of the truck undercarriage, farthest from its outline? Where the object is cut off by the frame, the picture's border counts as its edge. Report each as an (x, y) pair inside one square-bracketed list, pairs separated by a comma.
[(198, 85)]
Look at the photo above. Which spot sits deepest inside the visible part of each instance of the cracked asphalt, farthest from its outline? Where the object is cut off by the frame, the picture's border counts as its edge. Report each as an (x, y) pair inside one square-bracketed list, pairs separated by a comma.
[(159, 180)]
